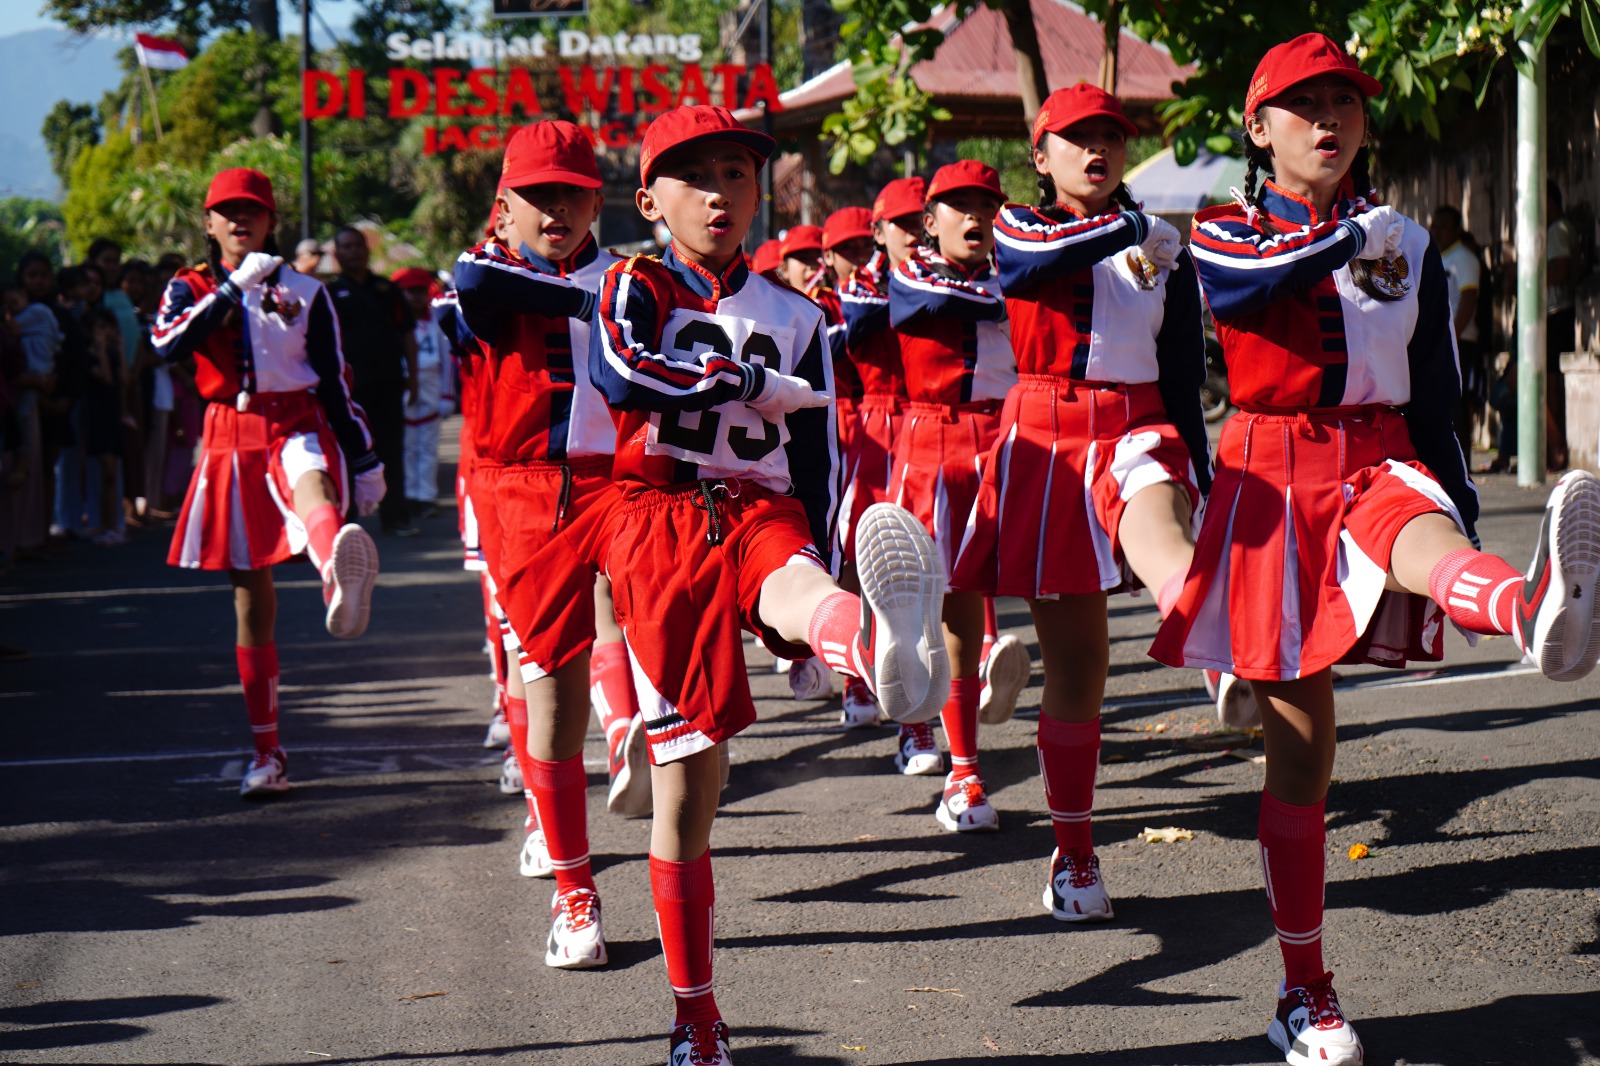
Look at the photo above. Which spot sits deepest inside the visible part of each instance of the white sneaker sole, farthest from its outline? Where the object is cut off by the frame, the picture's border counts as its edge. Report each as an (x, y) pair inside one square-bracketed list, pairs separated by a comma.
[(1567, 638), (902, 584), (1307, 1056), (630, 794), (270, 788), (592, 959), (863, 717), (989, 824), (534, 861), (499, 734), (354, 571), (921, 764), (1010, 669)]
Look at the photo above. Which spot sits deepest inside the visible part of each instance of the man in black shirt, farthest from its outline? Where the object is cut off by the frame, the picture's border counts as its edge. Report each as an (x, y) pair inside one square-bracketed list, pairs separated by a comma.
[(380, 346)]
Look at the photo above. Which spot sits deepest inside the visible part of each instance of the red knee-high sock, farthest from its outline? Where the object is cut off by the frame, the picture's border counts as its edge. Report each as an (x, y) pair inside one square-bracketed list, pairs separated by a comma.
[(258, 673), (1477, 590), (960, 718), (1069, 756), (1293, 844), (991, 631), (517, 719), (560, 790), (685, 900), (834, 629), (322, 525), (611, 686)]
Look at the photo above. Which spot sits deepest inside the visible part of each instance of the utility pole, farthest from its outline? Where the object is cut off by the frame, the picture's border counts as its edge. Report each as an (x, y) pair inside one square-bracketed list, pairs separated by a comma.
[(1532, 333), (306, 201), (766, 123)]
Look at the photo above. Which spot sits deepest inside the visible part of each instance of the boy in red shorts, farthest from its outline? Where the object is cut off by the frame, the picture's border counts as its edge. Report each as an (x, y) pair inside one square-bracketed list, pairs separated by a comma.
[(721, 384)]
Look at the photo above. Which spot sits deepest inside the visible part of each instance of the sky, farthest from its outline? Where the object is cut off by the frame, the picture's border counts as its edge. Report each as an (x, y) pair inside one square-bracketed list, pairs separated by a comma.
[(19, 15)]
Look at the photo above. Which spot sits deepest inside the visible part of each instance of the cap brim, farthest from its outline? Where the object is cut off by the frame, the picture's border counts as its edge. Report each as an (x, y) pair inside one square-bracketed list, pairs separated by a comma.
[(1072, 120), (754, 140), (251, 197), (550, 176), (847, 235), (934, 194), (1366, 83)]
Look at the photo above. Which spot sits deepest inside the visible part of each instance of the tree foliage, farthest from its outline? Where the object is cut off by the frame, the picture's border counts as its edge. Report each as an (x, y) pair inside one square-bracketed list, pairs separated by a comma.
[(68, 129), (190, 20), (28, 225)]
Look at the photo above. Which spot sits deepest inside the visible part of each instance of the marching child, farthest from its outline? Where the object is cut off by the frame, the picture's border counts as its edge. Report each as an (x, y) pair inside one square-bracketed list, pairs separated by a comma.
[(721, 388), (284, 448), (541, 483), (1341, 495), (425, 408), (1101, 459), (945, 302)]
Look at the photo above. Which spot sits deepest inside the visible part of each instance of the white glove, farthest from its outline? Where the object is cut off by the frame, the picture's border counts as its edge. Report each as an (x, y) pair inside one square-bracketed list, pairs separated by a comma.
[(1384, 227), (783, 393), (1162, 243), (254, 270), (370, 488)]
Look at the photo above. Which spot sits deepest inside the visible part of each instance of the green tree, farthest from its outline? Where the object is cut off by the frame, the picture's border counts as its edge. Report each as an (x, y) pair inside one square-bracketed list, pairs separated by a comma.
[(28, 225), (68, 129), (97, 181)]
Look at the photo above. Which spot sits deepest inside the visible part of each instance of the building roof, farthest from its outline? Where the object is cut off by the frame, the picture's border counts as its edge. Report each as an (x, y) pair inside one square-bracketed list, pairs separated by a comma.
[(974, 72)]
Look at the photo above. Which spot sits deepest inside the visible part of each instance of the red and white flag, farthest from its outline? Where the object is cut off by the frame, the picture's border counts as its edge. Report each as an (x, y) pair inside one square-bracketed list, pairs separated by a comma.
[(159, 53)]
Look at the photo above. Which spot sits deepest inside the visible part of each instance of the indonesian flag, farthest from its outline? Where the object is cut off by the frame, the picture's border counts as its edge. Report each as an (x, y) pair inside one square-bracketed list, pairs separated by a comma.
[(160, 53)]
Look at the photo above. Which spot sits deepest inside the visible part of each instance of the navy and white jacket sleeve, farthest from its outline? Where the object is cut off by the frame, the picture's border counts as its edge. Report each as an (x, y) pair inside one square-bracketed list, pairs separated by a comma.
[(1181, 365), (491, 283), (633, 376), (183, 322), (865, 310), (325, 353), (813, 452), (1244, 270), (917, 287), (1436, 391), (1031, 246)]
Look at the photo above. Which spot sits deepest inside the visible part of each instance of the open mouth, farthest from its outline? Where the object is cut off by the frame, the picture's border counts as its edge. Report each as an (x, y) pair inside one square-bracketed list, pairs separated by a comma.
[(1328, 145), (557, 232), (973, 236), (1097, 171), (719, 225)]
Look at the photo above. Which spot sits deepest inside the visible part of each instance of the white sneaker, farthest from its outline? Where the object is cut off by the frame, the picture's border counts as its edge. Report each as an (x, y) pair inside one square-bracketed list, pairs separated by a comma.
[(267, 775), (510, 774), (782, 666), (535, 858), (810, 679), (347, 588), (1236, 703), (1005, 674), (1075, 892), (499, 734), (965, 807), (860, 709), (629, 764), (699, 1044), (1557, 622), (919, 752), (900, 649), (576, 942), (1311, 1030)]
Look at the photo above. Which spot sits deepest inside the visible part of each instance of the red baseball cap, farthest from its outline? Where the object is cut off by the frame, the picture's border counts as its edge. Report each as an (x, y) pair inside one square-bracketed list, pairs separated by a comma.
[(902, 196), (241, 183), (700, 122), (1066, 107), (550, 151), (768, 256), (1288, 64), (800, 239), (846, 224), (965, 174), (412, 278)]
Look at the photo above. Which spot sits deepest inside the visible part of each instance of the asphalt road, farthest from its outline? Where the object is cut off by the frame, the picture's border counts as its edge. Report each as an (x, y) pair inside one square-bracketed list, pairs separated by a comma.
[(147, 915)]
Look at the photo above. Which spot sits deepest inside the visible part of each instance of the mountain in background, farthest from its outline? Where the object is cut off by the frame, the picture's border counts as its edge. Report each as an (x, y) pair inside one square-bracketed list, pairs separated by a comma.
[(37, 68)]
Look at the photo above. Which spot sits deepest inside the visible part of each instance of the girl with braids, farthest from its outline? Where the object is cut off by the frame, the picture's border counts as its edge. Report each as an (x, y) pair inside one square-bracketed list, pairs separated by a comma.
[(283, 442), (1341, 498), (1096, 480)]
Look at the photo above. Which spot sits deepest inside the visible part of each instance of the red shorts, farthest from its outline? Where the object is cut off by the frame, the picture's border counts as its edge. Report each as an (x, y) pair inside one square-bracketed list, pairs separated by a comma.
[(1289, 570), (938, 465), (1068, 459), (239, 513), (540, 523), (466, 519), (682, 601), (845, 409), (869, 462)]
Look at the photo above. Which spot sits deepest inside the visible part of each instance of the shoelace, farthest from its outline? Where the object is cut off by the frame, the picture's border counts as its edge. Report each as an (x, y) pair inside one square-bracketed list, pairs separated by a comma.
[(1081, 874), (1322, 1003), (703, 1042), (922, 737), (263, 759), (578, 907), (972, 789)]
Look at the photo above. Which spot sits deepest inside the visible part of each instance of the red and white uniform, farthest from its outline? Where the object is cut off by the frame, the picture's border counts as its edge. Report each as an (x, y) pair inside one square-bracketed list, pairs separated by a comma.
[(845, 380), (873, 350), (1107, 403), (956, 351), (447, 311), (1344, 435), (715, 495), (269, 362), (542, 440)]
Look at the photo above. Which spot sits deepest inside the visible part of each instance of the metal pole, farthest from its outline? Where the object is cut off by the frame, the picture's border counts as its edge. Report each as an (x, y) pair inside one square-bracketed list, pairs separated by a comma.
[(766, 122), (1531, 328), (155, 105), (306, 201)]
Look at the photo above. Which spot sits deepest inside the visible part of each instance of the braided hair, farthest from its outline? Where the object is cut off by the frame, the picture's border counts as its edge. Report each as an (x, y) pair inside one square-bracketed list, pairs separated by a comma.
[(1257, 159)]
